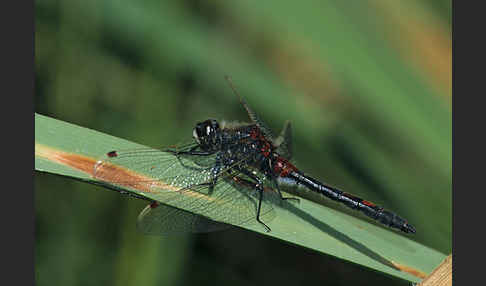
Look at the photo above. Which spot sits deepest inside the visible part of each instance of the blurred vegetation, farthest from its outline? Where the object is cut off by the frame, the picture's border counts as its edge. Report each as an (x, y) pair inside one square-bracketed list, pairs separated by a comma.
[(367, 87)]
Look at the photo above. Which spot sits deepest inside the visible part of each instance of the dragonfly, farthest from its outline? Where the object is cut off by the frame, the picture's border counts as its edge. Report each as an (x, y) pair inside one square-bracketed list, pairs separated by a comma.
[(228, 174)]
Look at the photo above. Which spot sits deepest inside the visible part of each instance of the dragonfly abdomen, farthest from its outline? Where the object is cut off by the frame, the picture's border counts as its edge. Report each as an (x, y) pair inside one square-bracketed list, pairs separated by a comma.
[(371, 210)]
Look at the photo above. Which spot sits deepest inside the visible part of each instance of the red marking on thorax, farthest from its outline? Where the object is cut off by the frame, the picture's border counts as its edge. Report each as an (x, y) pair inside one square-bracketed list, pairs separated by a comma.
[(255, 133), (283, 167), (266, 149)]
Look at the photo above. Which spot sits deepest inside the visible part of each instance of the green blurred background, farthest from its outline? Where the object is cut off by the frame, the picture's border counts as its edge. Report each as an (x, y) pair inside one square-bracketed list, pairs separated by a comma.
[(366, 84)]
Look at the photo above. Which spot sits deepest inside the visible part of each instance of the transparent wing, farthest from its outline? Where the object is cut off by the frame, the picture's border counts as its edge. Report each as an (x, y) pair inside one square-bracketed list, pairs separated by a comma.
[(251, 114), (185, 182), (284, 141), (161, 219)]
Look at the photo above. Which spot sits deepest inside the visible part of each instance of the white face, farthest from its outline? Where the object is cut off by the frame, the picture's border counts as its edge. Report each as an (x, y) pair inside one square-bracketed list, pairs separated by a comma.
[(194, 134)]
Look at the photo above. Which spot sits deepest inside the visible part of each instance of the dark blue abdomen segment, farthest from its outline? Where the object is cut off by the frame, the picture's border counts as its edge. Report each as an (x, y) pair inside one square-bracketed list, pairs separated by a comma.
[(369, 209)]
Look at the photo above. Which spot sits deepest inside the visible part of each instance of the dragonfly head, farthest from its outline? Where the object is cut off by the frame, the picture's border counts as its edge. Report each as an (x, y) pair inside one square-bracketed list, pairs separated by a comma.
[(206, 134)]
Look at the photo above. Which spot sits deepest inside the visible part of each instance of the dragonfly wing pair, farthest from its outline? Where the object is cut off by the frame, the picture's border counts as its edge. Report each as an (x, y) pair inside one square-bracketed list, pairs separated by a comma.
[(186, 183)]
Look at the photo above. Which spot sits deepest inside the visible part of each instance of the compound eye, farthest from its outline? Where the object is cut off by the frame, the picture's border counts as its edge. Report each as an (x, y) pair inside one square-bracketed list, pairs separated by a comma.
[(199, 130)]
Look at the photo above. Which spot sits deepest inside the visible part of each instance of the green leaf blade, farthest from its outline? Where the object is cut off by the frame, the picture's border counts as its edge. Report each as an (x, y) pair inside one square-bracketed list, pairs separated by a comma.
[(307, 224)]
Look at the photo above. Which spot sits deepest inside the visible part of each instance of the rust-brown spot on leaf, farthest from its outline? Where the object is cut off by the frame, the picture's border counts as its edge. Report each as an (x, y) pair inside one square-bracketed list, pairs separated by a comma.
[(441, 276), (409, 270), (100, 170), (79, 162), (110, 173)]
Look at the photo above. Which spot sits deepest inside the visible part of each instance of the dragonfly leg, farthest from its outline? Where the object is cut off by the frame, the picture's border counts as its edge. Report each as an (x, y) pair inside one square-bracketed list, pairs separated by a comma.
[(191, 152), (280, 193), (267, 228), (214, 173), (259, 187)]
